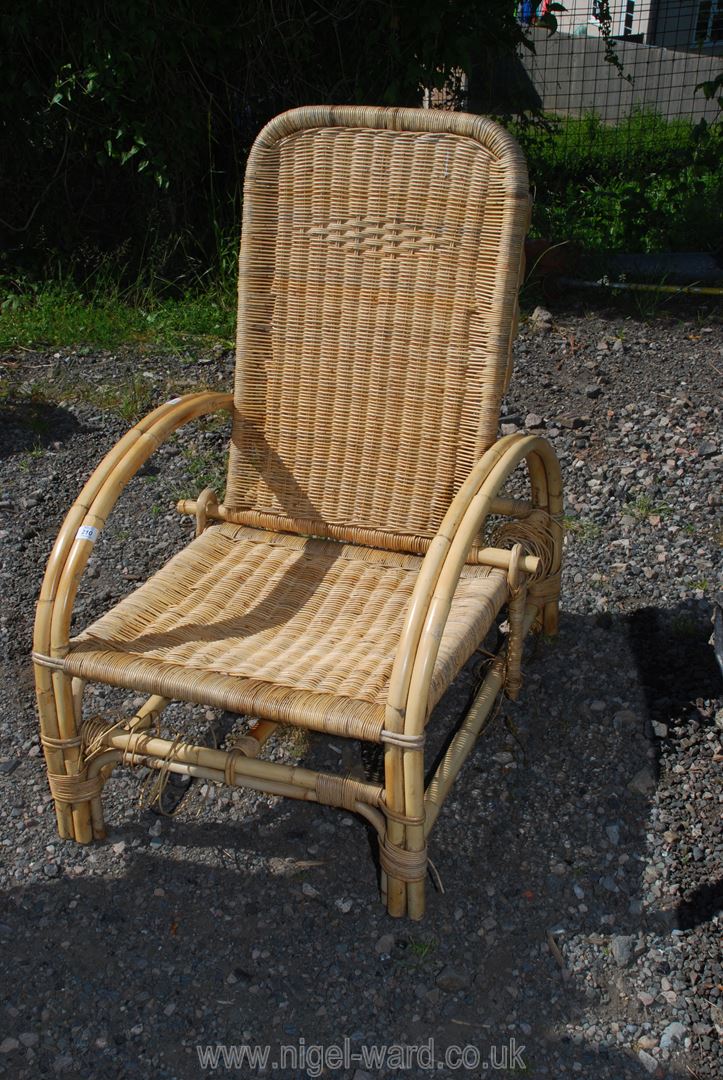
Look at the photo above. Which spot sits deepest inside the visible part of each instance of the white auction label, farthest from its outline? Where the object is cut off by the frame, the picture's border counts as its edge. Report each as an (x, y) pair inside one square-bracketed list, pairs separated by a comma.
[(87, 532)]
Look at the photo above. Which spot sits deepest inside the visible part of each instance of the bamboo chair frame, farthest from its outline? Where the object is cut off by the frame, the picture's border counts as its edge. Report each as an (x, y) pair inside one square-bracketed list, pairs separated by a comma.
[(80, 754)]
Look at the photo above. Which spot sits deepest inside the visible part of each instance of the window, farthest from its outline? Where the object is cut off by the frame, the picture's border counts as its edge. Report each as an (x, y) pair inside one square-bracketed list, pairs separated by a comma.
[(709, 26)]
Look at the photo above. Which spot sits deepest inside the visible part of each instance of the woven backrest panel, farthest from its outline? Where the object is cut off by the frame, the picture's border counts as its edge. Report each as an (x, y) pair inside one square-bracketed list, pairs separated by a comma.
[(379, 268)]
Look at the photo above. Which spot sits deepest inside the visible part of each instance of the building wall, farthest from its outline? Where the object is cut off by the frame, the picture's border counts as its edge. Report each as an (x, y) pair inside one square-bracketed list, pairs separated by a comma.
[(569, 75)]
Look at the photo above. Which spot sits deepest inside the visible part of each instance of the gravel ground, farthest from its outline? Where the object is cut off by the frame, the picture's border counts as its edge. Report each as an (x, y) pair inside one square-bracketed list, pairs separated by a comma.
[(580, 851)]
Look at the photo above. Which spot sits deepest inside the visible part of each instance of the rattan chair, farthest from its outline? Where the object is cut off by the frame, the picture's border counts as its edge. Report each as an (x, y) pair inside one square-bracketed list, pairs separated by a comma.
[(348, 575)]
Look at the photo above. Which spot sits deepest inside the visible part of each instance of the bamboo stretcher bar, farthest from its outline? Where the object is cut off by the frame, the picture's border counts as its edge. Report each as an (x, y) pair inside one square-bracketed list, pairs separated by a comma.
[(487, 556), (245, 768), (292, 781)]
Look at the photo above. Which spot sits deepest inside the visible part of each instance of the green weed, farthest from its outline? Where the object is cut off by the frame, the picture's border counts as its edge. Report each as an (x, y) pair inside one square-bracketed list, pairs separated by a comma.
[(644, 508), (421, 948), (582, 528)]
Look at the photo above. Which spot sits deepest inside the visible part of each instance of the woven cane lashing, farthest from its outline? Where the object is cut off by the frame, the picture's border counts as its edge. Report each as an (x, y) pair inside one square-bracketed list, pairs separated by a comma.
[(378, 278)]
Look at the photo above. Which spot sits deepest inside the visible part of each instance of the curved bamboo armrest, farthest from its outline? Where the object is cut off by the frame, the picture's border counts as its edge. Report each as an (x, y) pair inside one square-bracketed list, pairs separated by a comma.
[(91, 509), (435, 587)]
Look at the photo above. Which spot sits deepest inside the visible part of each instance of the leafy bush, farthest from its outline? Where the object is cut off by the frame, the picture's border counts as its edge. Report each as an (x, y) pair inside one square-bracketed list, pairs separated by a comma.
[(645, 184), (124, 126)]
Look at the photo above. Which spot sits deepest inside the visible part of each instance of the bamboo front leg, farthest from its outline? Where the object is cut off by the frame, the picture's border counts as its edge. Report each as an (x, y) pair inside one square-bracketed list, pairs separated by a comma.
[(432, 599), (415, 839), (72, 759), (394, 891), (54, 756)]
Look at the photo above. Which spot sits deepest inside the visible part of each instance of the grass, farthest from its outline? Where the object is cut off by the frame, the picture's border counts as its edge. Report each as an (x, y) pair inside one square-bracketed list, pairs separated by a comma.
[(58, 313), (582, 528), (644, 508), (421, 948)]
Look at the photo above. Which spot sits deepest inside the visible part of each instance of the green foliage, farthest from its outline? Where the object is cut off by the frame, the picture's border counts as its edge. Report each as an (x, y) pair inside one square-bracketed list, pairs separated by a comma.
[(713, 88), (124, 126), (205, 467), (645, 184)]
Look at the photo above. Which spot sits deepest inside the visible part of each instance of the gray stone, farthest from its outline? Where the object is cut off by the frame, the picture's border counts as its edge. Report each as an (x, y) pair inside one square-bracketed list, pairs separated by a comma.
[(8, 765), (621, 946), (643, 783), (385, 944), (572, 422), (613, 833), (452, 979), (647, 1042), (707, 449), (541, 321), (674, 1032), (8, 1045), (648, 1062)]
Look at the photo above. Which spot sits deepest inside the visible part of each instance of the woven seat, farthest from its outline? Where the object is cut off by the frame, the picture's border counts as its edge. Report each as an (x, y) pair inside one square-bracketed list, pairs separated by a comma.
[(357, 558), (303, 631)]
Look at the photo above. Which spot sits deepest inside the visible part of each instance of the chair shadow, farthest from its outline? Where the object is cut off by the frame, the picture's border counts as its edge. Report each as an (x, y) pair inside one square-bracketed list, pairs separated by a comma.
[(27, 425), (225, 894), (677, 666)]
